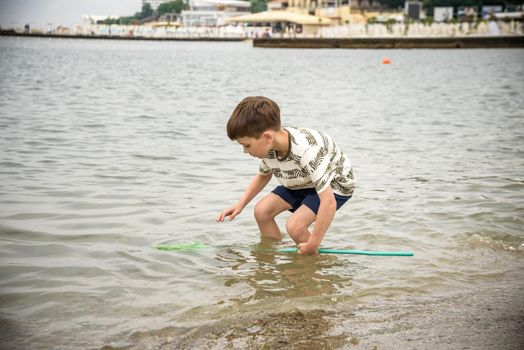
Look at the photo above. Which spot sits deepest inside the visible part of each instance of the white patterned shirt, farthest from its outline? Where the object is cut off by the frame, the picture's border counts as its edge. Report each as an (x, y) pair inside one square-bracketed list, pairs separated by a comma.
[(314, 161)]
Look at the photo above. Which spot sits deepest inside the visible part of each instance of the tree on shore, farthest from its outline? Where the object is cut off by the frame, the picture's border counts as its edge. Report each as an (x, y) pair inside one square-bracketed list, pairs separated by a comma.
[(171, 7), (178, 6), (258, 5), (392, 4), (261, 5), (395, 4), (147, 11)]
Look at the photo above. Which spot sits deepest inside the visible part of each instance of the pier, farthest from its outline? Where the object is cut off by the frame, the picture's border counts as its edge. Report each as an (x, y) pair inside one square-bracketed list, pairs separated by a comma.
[(462, 42)]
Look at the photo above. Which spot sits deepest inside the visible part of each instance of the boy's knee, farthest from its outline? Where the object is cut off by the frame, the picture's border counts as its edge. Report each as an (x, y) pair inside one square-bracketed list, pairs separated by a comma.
[(262, 211), (297, 230), (294, 226)]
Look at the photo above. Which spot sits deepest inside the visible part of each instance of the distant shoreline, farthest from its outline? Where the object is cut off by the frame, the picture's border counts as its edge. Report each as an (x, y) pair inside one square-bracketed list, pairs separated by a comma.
[(107, 37), (459, 42)]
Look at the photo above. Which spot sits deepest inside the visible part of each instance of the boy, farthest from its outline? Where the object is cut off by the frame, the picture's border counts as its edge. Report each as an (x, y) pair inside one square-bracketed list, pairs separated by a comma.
[(315, 177)]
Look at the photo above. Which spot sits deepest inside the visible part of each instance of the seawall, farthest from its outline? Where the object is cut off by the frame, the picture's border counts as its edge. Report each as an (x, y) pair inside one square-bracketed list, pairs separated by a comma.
[(394, 43), (107, 37), (464, 42)]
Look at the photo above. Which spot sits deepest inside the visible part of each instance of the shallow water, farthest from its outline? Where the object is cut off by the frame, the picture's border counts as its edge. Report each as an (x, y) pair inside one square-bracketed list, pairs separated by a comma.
[(109, 148)]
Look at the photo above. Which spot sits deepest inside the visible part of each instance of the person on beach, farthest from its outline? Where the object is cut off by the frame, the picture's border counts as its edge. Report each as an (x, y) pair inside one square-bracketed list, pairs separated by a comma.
[(315, 177)]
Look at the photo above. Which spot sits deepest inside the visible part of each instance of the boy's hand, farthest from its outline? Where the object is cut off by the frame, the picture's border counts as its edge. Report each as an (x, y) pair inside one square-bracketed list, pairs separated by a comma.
[(232, 212), (304, 248)]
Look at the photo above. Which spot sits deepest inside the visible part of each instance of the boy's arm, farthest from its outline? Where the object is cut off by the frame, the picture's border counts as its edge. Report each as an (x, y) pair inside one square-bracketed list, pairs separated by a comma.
[(257, 184), (325, 215)]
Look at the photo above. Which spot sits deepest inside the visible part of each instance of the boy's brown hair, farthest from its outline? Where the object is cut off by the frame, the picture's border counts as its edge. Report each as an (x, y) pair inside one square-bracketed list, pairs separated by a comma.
[(252, 116)]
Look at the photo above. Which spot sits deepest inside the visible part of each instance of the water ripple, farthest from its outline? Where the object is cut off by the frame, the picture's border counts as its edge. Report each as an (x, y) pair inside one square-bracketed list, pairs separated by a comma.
[(100, 161)]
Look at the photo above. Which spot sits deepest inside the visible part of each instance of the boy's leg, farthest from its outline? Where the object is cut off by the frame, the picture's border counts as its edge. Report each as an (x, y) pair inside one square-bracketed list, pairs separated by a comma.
[(297, 225), (265, 212)]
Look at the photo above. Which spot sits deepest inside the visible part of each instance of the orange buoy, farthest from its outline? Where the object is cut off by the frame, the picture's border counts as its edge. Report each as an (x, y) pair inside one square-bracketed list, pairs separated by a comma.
[(386, 60)]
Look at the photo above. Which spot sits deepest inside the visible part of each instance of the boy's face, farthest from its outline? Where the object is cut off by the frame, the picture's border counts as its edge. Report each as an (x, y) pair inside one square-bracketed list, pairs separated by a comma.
[(257, 147)]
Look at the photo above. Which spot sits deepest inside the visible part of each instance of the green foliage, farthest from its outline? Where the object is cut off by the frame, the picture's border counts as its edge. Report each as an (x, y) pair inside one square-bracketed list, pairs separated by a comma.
[(170, 7), (467, 3), (258, 5), (428, 20), (147, 11), (120, 20), (261, 5), (395, 4)]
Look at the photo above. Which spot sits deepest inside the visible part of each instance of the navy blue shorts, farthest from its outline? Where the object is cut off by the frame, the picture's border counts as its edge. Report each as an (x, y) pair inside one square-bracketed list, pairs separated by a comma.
[(308, 197)]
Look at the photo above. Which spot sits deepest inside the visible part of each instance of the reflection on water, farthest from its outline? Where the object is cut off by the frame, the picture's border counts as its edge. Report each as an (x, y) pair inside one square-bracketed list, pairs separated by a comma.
[(111, 147), (269, 273)]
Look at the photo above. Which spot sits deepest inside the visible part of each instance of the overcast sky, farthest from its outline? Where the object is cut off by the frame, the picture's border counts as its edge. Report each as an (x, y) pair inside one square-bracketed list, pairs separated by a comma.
[(42, 13)]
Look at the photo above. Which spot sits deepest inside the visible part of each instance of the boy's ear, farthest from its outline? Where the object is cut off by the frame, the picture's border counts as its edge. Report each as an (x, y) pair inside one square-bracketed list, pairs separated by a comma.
[(267, 136)]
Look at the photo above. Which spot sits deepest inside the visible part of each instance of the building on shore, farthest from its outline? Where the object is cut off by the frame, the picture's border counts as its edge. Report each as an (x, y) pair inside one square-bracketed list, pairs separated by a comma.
[(308, 17), (337, 11), (212, 13), (232, 20), (283, 23), (289, 18)]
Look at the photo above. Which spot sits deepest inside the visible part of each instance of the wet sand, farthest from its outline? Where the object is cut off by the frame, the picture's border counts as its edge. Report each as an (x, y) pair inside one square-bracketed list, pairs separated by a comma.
[(487, 319)]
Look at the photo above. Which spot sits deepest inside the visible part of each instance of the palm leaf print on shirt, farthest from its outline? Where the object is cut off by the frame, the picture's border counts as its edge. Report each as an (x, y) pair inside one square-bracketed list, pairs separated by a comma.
[(294, 157), (321, 184), (325, 140), (294, 174), (319, 158), (309, 137), (277, 172)]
